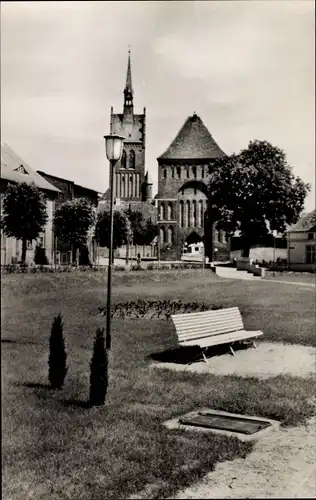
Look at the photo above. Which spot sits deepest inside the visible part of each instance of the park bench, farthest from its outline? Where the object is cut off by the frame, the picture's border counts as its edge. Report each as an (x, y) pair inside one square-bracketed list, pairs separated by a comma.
[(210, 328)]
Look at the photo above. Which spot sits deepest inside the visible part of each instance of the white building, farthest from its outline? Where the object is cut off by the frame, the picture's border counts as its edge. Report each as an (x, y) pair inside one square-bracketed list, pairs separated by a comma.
[(302, 243)]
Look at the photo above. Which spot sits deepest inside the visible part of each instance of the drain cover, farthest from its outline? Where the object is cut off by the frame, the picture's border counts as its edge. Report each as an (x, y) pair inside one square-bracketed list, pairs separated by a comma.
[(225, 422)]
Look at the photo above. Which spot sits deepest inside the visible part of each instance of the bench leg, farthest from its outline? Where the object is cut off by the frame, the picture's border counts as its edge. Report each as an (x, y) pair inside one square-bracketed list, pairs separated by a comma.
[(254, 344), (232, 350), (204, 357)]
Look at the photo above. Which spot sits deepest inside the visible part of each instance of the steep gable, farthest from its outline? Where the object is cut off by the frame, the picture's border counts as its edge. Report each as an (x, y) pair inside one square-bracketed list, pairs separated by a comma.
[(193, 141)]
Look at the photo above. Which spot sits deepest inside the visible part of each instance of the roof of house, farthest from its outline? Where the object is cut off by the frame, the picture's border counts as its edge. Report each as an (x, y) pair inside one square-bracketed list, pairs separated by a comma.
[(307, 222), (14, 169), (40, 172), (193, 141)]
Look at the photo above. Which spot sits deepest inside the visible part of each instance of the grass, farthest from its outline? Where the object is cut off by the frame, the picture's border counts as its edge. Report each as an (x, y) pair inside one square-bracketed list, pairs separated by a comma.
[(53, 446), (309, 278)]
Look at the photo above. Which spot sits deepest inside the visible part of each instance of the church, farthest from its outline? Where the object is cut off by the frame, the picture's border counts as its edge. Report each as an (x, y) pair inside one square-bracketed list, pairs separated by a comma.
[(179, 207)]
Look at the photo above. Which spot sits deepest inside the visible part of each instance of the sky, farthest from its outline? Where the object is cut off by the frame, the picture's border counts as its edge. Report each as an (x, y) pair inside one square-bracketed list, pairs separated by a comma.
[(247, 68)]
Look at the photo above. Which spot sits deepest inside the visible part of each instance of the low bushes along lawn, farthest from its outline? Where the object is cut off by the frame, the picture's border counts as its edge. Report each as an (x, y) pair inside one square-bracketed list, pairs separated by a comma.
[(53, 446)]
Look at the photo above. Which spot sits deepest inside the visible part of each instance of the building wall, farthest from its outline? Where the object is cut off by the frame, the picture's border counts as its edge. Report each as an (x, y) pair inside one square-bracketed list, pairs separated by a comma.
[(182, 202), (298, 253)]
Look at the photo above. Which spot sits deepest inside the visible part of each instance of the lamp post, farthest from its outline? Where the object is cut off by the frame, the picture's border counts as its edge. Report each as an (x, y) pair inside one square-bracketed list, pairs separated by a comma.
[(113, 149)]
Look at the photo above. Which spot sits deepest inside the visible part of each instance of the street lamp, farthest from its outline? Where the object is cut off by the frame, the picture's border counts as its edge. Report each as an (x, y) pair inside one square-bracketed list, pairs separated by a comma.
[(113, 149)]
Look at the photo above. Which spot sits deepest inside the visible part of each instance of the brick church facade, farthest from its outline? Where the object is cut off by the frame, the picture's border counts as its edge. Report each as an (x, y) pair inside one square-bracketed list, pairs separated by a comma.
[(183, 172)]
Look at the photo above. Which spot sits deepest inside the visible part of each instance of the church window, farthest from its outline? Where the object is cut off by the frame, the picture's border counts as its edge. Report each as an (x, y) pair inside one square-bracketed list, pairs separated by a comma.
[(123, 160), (194, 172), (188, 214), (132, 159), (170, 234), (165, 174), (181, 214), (202, 172), (169, 211), (194, 213), (162, 234), (188, 173), (179, 172), (172, 172), (200, 216), (162, 211)]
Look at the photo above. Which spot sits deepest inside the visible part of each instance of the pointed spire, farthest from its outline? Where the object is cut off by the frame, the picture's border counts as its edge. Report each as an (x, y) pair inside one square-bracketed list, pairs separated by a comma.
[(128, 91)]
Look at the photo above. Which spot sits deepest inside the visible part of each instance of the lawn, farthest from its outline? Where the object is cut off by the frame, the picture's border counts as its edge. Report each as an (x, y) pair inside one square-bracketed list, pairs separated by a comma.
[(294, 277), (53, 446)]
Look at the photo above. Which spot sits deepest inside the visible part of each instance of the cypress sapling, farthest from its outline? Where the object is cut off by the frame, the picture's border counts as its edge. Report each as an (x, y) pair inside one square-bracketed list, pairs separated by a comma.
[(57, 361), (98, 370)]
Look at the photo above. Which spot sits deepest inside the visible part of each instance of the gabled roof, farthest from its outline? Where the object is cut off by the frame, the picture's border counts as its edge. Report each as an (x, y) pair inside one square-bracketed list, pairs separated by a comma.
[(306, 223), (193, 142), (14, 169)]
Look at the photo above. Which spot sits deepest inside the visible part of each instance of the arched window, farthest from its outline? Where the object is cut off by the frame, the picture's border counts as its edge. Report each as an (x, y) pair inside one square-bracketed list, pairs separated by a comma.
[(165, 174), (162, 211), (131, 162), (202, 171), (172, 172), (194, 172), (200, 213), (170, 234), (188, 214), (194, 213), (162, 234), (188, 173), (181, 213), (123, 160), (179, 172), (169, 211)]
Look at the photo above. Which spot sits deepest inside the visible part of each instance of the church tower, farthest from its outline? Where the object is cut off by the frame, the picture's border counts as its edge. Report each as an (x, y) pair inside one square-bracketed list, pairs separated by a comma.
[(129, 173)]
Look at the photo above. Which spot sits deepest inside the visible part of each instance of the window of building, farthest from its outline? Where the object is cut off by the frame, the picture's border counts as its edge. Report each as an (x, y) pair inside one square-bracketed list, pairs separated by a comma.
[(188, 173), (131, 159), (29, 245), (21, 170), (165, 174), (162, 235), (172, 172), (194, 172), (310, 236), (179, 172), (170, 234), (169, 211), (162, 211), (310, 254), (123, 160)]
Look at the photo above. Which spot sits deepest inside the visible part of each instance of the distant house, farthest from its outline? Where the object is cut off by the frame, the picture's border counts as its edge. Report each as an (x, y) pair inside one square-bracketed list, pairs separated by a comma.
[(68, 191), (302, 243), (15, 170)]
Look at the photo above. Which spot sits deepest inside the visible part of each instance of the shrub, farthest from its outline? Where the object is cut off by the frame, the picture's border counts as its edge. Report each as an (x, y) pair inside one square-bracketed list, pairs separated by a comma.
[(40, 256), (98, 370), (57, 360)]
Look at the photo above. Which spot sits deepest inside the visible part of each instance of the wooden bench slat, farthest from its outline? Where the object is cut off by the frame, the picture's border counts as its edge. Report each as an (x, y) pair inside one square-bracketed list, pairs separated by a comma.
[(219, 324), (213, 312), (223, 339), (206, 330)]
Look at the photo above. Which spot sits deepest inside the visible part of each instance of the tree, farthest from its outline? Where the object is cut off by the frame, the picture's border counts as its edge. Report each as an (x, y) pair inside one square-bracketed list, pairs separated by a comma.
[(24, 213), (254, 193), (72, 221), (98, 370), (143, 231), (121, 229), (57, 360)]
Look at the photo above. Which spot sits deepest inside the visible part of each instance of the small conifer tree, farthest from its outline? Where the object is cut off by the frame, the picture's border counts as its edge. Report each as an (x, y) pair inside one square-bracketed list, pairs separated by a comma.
[(57, 361), (98, 370)]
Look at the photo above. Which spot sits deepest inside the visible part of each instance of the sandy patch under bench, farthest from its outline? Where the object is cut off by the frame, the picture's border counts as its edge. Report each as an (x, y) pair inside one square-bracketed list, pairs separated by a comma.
[(268, 360)]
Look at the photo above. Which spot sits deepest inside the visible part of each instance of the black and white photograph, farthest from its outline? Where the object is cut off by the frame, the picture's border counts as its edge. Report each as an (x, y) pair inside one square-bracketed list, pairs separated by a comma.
[(158, 249)]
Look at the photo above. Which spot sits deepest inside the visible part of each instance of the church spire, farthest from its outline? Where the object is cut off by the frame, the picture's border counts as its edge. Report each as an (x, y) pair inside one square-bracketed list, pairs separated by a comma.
[(128, 91)]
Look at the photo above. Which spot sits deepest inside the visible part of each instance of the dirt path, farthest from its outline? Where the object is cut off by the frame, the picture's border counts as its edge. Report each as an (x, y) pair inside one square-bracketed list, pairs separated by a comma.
[(282, 465)]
